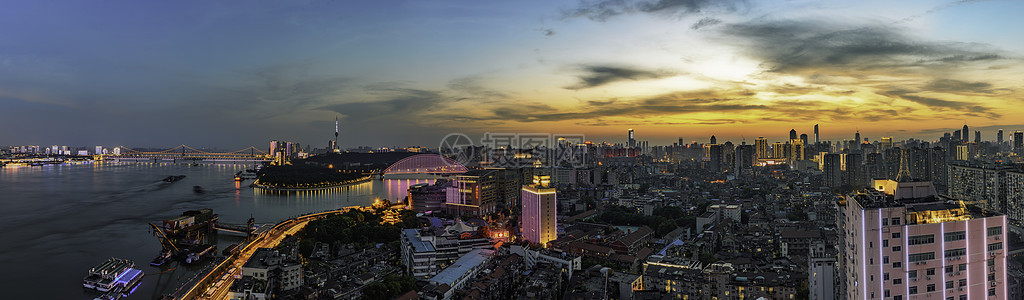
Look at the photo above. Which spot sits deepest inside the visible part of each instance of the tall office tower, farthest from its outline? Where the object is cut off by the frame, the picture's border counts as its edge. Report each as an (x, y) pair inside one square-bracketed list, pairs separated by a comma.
[(274, 147), (903, 242), (762, 148), (965, 152), (816, 140), (779, 150), (938, 169), (967, 134), (475, 193), (833, 170), (714, 140), (874, 166), (886, 143), (977, 137), (999, 138), (796, 148), (957, 136), (99, 150), (792, 134), (539, 220), (1018, 142), (632, 141), (803, 137), (855, 170), (728, 156), (745, 158), (856, 141)]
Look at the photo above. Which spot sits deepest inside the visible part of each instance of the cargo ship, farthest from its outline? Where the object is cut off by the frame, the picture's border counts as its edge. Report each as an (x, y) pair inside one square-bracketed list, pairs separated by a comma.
[(114, 275), (173, 178)]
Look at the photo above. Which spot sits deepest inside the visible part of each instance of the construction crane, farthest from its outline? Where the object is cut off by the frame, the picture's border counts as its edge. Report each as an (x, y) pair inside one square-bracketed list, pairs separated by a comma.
[(166, 242)]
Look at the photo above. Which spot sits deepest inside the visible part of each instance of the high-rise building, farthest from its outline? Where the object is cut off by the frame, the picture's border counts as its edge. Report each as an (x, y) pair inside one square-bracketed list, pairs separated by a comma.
[(999, 138), (761, 145), (900, 241), (792, 134), (714, 140), (539, 220), (632, 141), (967, 134), (965, 151), (977, 137), (426, 197), (796, 148), (856, 141), (716, 157), (745, 157), (476, 193), (833, 170), (816, 140), (886, 143), (1018, 142), (779, 150), (855, 170), (822, 277), (803, 137), (957, 136)]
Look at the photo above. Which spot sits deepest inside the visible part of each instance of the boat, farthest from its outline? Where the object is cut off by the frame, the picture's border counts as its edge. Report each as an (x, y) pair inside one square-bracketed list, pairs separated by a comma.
[(163, 258), (173, 178), (197, 189), (124, 287), (112, 274)]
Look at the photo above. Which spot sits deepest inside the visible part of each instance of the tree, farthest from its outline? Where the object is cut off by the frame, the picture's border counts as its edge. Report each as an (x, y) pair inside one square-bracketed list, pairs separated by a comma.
[(708, 258)]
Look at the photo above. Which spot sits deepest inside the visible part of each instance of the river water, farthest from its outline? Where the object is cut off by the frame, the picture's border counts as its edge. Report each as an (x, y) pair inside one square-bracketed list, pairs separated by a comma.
[(58, 221)]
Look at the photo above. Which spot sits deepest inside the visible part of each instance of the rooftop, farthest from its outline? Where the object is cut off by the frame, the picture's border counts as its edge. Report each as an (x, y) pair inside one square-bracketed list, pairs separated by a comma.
[(462, 266), (418, 245)]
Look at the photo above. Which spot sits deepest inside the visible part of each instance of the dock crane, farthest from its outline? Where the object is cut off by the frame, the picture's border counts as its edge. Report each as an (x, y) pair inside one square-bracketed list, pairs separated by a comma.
[(165, 242)]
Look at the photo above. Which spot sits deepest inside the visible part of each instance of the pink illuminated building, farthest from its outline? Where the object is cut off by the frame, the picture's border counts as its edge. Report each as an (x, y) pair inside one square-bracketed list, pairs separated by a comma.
[(539, 220), (901, 242)]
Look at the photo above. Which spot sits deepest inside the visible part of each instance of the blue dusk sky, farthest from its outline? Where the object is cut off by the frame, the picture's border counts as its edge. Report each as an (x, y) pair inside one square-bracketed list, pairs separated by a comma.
[(231, 74)]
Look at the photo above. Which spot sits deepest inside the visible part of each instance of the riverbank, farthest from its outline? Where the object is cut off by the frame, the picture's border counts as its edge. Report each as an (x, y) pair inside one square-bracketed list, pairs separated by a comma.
[(257, 184)]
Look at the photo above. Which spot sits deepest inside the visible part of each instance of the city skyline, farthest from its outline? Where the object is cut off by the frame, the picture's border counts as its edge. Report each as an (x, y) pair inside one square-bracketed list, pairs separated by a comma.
[(232, 76)]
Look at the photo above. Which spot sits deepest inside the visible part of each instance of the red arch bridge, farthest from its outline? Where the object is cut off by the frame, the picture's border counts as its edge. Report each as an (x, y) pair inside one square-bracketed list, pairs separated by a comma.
[(426, 164)]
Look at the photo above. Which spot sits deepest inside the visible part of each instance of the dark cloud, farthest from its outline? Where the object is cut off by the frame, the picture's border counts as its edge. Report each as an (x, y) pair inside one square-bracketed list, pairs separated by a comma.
[(602, 10), (819, 46), (705, 22), (399, 104), (598, 75), (548, 31), (957, 86), (663, 105), (476, 91), (961, 107)]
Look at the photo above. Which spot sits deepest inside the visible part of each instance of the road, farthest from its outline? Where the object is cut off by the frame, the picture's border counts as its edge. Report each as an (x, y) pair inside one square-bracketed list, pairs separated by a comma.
[(220, 286)]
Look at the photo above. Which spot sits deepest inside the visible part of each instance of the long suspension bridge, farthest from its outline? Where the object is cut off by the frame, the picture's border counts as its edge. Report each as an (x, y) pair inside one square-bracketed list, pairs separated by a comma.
[(185, 153)]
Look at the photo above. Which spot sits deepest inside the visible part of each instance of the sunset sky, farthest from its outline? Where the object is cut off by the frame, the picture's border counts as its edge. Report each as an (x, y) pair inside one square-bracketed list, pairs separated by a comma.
[(236, 73)]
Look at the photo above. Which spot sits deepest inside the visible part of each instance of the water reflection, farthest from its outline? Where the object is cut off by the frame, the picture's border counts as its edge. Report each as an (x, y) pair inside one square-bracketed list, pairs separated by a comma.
[(361, 194)]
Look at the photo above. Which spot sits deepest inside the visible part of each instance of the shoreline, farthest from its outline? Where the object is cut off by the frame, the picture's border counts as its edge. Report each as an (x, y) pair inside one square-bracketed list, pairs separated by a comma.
[(278, 189)]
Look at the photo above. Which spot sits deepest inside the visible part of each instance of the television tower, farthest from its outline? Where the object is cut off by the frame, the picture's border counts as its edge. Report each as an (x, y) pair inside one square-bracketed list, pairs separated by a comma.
[(335, 133)]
